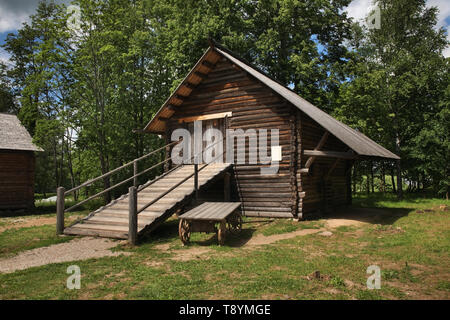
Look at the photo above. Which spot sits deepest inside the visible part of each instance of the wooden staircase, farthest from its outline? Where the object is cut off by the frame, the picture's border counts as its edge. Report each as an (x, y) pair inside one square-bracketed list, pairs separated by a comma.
[(112, 220)]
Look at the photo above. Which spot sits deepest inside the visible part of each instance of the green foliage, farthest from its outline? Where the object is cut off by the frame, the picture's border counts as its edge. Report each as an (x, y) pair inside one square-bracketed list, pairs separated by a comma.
[(81, 92), (398, 90)]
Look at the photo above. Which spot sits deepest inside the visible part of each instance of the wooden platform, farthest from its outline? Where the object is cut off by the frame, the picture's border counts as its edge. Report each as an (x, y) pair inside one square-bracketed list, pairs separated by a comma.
[(111, 221), (211, 211)]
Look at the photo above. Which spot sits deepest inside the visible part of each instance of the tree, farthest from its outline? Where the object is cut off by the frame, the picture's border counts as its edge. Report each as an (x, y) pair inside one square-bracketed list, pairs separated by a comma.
[(7, 99), (396, 78)]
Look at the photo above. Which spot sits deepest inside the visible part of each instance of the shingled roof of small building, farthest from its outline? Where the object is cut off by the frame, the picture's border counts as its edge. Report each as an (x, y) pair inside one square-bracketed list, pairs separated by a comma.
[(13, 135), (354, 139)]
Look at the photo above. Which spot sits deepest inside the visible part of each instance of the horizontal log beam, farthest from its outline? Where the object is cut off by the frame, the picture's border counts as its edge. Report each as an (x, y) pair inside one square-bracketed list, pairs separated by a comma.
[(206, 117), (330, 154)]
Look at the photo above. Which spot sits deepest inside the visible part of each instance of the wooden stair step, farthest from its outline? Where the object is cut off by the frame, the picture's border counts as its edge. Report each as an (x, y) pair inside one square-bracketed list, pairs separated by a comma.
[(99, 227), (124, 213), (154, 207), (95, 233), (119, 220)]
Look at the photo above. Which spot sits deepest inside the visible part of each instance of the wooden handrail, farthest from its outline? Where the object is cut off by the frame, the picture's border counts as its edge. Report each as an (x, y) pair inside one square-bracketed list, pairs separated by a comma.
[(61, 193), (116, 185), (89, 182)]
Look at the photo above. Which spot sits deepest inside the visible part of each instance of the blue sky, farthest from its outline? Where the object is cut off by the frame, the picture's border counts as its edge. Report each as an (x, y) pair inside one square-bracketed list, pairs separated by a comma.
[(15, 12)]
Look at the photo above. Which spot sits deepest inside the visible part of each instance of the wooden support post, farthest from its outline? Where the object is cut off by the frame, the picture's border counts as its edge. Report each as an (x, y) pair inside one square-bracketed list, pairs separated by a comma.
[(60, 210), (348, 181), (135, 172), (132, 215), (299, 158), (321, 143), (196, 181), (293, 166), (226, 186)]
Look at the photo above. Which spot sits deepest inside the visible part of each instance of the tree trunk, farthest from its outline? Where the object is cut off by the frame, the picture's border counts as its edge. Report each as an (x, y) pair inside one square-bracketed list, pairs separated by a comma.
[(354, 179), (367, 181), (371, 177), (394, 190), (106, 180), (399, 169)]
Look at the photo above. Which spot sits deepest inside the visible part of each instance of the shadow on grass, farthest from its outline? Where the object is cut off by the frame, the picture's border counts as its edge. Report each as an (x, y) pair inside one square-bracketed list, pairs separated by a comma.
[(168, 231), (231, 240), (38, 211)]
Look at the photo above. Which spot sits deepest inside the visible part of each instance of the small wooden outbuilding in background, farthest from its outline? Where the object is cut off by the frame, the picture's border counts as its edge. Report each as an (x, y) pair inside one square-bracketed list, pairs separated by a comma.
[(17, 164)]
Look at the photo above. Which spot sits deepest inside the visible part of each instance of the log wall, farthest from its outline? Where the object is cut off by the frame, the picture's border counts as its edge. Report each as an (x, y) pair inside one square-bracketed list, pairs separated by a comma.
[(16, 179)]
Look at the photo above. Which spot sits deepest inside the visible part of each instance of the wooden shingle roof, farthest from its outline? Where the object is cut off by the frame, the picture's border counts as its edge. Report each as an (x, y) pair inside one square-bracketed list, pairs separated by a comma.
[(355, 140), (13, 135)]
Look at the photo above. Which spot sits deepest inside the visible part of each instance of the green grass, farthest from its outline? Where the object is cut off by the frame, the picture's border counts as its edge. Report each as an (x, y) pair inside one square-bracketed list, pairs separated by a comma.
[(13, 241), (411, 248), (16, 237)]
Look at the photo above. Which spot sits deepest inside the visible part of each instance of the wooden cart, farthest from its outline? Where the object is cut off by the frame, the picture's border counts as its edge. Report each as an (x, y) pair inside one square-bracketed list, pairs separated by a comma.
[(205, 217)]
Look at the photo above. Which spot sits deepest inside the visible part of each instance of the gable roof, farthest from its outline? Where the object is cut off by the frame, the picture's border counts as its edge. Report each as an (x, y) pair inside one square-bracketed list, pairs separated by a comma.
[(354, 139), (13, 135)]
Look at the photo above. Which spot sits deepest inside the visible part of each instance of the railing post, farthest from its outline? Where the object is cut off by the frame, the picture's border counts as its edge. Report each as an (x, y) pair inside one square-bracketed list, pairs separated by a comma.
[(60, 210), (135, 172), (132, 215)]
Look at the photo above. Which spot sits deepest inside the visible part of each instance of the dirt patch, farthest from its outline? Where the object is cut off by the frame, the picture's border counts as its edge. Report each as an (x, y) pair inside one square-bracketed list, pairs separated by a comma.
[(263, 240), (75, 250), (25, 223), (190, 254), (336, 223), (357, 216), (17, 223), (163, 247)]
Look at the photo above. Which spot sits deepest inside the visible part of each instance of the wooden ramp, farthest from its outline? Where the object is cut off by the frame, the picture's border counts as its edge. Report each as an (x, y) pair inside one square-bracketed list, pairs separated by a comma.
[(111, 221)]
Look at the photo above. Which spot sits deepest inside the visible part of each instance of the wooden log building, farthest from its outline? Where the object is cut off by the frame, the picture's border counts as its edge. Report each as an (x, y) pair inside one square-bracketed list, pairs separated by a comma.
[(17, 164), (318, 151)]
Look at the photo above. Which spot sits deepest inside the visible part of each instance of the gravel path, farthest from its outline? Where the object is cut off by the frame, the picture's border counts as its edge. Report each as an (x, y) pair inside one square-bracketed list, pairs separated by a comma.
[(75, 250)]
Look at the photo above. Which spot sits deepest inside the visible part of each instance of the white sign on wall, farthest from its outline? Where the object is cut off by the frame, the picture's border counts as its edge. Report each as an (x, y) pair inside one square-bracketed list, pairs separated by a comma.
[(276, 153)]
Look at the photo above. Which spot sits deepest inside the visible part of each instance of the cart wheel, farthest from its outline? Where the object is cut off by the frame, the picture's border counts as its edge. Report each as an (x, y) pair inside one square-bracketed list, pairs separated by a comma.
[(234, 223), (221, 233), (184, 230)]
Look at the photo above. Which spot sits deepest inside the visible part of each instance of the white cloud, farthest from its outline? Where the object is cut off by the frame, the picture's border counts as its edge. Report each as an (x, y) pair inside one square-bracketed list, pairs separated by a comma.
[(358, 9), (444, 11), (4, 57)]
